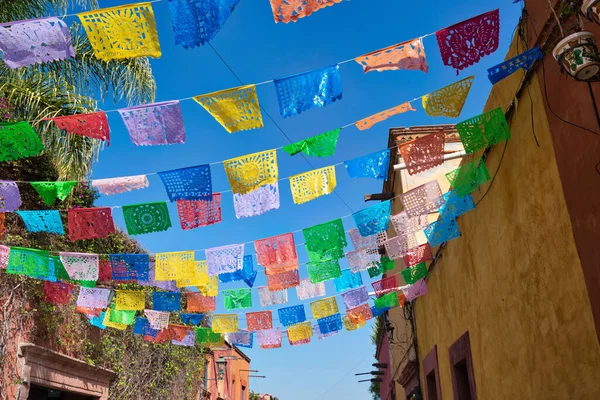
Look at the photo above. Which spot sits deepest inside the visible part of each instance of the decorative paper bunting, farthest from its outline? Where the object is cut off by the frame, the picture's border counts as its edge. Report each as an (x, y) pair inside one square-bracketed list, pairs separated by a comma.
[(409, 55), (413, 274), (326, 241), (367, 123), (324, 308), (89, 312), (360, 260), (196, 22), (418, 255), (277, 254), (224, 323), (193, 183), (329, 326), (197, 302), (235, 109), (237, 298), (2, 218), (376, 312), (207, 336), (126, 267), (374, 219), (225, 259), (174, 265), (163, 301), (125, 317), (167, 285), (154, 124), (442, 230), (197, 213), (387, 301), (130, 300), (270, 339), (241, 339), (359, 315), (286, 11), (299, 332), (94, 297), (466, 178), (308, 290), (212, 288), (146, 218), (268, 298), (299, 342), (374, 165), (301, 92), (49, 191), (465, 43), (108, 323), (456, 206), (397, 247), (350, 326), (189, 339), (403, 224), (124, 184), (122, 32), (423, 199), (257, 202), (323, 271), (348, 280), (28, 262), (384, 265), (322, 145), (483, 131), (246, 274), (42, 221), (90, 223), (191, 319), (81, 266), (365, 243), (97, 321), (354, 298), (423, 153), (4, 255), (92, 125), (284, 280), (417, 290), (448, 101), (197, 275), (522, 61), (178, 332), (385, 285), (19, 140), (310, 185), (10, 197), (258, 321), (291, 315), (249, 172), (58, 293)]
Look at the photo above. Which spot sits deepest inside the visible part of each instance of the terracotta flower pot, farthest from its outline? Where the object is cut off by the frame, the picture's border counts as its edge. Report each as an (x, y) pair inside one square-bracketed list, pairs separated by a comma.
[(577, 54), (591, 9)]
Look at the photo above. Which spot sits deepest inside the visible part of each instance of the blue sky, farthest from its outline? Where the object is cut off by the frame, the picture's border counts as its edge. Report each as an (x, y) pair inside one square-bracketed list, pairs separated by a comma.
[(257, 49)]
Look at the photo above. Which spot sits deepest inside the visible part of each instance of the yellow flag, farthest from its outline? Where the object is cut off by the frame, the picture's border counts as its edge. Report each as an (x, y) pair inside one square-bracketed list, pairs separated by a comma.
[(252, 171), (324, 308), (448, 101), (299, 331), (224, 323), (198, 276), (130, 300), (312, 184), (350, 326), (174, 266), (106, 322)]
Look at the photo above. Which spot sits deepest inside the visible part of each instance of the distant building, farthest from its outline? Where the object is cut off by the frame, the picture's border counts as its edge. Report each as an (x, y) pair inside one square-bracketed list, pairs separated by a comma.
[(235, 383)]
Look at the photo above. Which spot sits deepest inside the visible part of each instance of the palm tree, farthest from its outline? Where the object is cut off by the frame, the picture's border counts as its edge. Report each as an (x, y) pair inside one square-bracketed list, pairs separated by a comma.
[(68, 87)]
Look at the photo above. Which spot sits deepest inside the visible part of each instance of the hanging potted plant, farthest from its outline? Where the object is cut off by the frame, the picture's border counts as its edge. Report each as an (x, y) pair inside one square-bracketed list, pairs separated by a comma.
[(591, 10)]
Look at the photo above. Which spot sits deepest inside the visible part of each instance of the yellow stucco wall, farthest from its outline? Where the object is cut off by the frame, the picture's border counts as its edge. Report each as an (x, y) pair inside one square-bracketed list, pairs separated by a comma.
[(514, 279)]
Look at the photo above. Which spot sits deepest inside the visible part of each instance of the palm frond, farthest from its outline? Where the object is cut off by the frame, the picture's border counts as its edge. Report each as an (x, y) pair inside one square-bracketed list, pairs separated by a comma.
[(15, 10)]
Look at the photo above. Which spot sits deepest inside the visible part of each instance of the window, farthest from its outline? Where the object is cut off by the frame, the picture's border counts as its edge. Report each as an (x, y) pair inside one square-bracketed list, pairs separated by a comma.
[(461, 365), (243, 392), (432, 375)]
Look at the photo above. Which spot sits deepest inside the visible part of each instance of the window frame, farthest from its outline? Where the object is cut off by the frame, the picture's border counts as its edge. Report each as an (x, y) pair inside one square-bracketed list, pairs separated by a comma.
[(431, 365), (461, 351)]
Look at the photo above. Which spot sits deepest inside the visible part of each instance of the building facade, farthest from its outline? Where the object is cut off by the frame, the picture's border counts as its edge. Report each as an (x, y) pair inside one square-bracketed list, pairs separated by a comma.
[(234, 384)]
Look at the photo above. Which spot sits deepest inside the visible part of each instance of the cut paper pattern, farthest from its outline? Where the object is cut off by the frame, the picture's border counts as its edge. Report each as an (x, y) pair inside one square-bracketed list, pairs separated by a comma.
[(381, 267), (456, 206), (93, 125), (409, 55), (4, 255), (125, 317), (367, 123), (348, 280), (49, 191), (299, 332), (468, 177), (241, 339), (291, 315), (301, 92), (442, 230), (286, 11), (81, 266), (196, 276), (417, 290), (246, 274), (324, 308), (258, 321), (423, 199), (249, 172), (298, 343), (154, 124), (412, 274), (2, 219), (310, 185), (225, 259), (322, 145), (146, 218), (174, 265), (237, 298), (360, 315), (365, 243), (198, 213), (90, 223), (188, 340), (284, 280), (277, 254), (34, 41), (349, 325), (224, 323), (423, 153), (448, 101), (385, 285), (94, 297), (196, 22), (257, 202), (307, 290), (323, 271), (130, 300), (10, 197), (177, 332), (193, 183), (212, 288), (122, 32), (19, 140), (235, 109), (42, 221), (164, 301), (268, 298), (376, 312), (207, 336), (403, 224), (199, 303), (97, 321), (129, 267), (328, 326), (522, 61), (110, 324), (325, 241), (418, 255), (355, 297), (397, 247), (269, 339), (467, 42), (124, 184), (191, 319), (168, 285), (374, 219), (374, 165), (483, 131), (58, 293)]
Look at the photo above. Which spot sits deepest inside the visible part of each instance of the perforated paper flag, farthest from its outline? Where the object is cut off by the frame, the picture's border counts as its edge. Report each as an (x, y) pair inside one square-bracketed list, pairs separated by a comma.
[(468, 177), (403, 224), (106, 322), (198, 213), (235, 109), (277, 254), (417, 290), (211, 288), (93, 125), (192, 183), (367, 123), (286, 11), (257, 202), (359, 315), (299, 342), (291, 315), (126, 267), (374, 165), (165, 301), (93, 297), (241, 339), (188, 340), (246, 274), (385, 285), (157, 319), (58, 293), (270, 339), (397, 247), (151, 281), (418, 255), (81, 266), (237, 298), (4, 255), (191, 319), (423, 153), (374, 219), (90, 223), (523, 61), (301, 92), (178, 332), (300, 331), (381, 267), (10, 197), (199, 303), (224, 323), (349, 325), (284, 280), (225, 259), (125, 317), (322, 145), (97, 321), (258, 321), (122, 184), (348, 280), (442, 230), (323, 271), (423, 199), (42, 221), (308, 290), (249, 172), (268, 298), (329, 325), (355, 297), (456, 206), (448, 101), (50, 191), (196, 276), (365, 243), (19, 140), (484, 130), (174, 265), (154, 124), (310, 185), (465, 43), (146, 218), (130, 300), (413, 274), (324, 308), (326, 241), (122, 32), (409, 55), (207, 336)]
